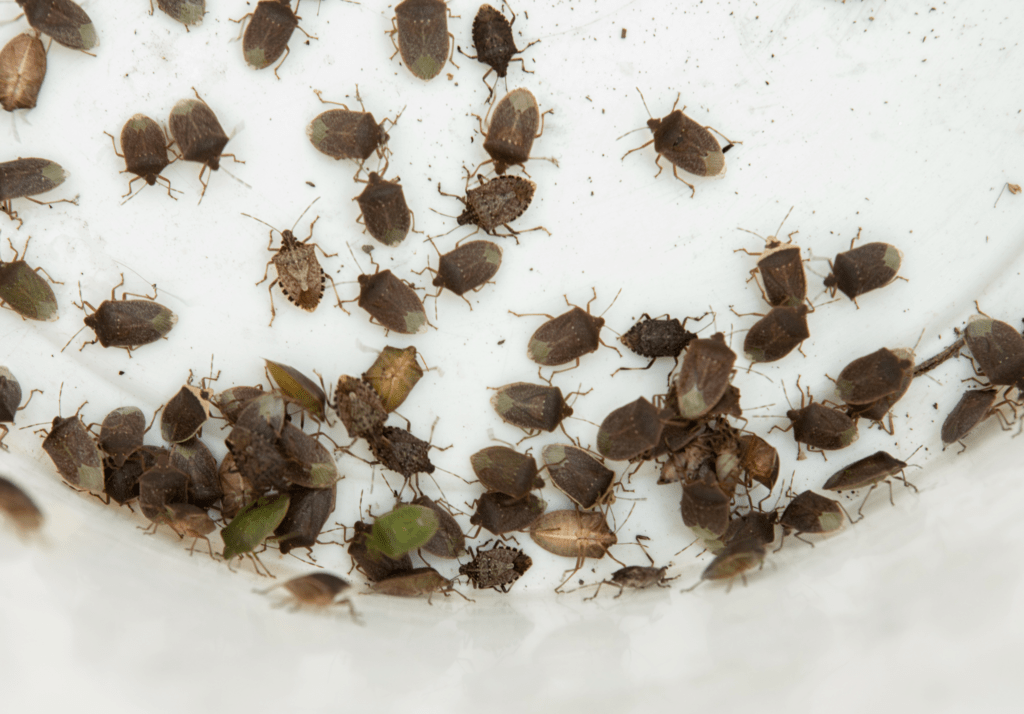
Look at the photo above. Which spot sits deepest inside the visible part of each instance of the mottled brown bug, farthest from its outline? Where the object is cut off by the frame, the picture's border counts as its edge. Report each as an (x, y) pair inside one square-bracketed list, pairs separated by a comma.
[(359, 407), (345, 134), (513, 124), (422, 30), (298, 270), (574, 534), (383, 210), (145, 151), (199, 135), (656, 337), (566, 338), (498, 568), (496, 203), (860, 270), (124, 323), (495, 46), (781, 269), (686, 144), (63, 20), (22, 70), (267, 33)]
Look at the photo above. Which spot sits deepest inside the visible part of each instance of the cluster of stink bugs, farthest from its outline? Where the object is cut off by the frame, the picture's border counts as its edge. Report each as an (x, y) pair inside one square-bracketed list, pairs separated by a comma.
[(276, 487)]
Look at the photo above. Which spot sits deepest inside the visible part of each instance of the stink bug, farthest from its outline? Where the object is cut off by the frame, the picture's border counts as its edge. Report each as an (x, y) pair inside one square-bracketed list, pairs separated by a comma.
[(499, 513), (307, 513), (384, 211), (703, 378), (574, 534), (496, 203), (449, 540), (469, 267), (345, 134), (776, 334), (187, 12), (402, 452), (298, 270), (974, 407), (267, 33), (860, 270), (639, 577), (238, 490), (184, 415), (531, 407), (299, 388), (705, 510), (871, 377), (319, 590), (415, 582), (630, 431), (19, 508), (393, 375), (511, 130), (497, 568), (22, 70), (62, 20), (781, 269), (732, 560), (232, 401), (820, 427), (24, 178), (998, 349), (686, 144), (567, 337), (579, 475), (312, 465), (495, 46), (10, 399), (869, 471), (759, 459), (392, 302), (145, 151), (128, 324), (160, 486), (190, 521), (75, 454), (505, 470), (121, 433), (253, 525), (199, 135), (359, 408), (422, 29), (810, 512), (372, 563), (24, 291), (654, 338), (402, 530), (194, 458)]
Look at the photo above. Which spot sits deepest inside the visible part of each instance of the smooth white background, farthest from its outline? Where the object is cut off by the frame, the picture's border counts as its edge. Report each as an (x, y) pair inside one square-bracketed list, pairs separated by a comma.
[(900, 118)]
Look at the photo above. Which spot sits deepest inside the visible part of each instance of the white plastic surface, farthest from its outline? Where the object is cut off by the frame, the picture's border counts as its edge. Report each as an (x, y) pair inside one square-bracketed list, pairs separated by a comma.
[(900, 118)]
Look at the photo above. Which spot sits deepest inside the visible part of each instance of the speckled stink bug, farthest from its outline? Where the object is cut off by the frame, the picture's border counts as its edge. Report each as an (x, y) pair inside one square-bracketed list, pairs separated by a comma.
[(686, 144), (124, 323), (22, 70), (298, 270), (24, 291), (498, 568), (63, 20), (496, 203), (422, 30), (495, 46), (657, 337)]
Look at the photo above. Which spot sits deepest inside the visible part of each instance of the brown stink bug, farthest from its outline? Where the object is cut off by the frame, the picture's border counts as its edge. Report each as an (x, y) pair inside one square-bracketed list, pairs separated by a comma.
[(686, 144), (574, 534), (532, 407), (703, 378), (868, 379), (374, 564), (145, 151), (402, 452), (810, 512), (577, 474), (497, 568), (75, 454), (186, 412), (759, 459), (777, 334), (630, 431), (467, 268), (391, 301), (187, 12), (383, 210), (124, 323), (505, 470), (359, 407), (121, 433), (998, 349), (24, 290), (705, 509), (869, 471), (416, 582), (819, 427), (566, 338), (63, 20), (10, 401), (24, 178), (267, 33), (657, 337), (495, 46), (513, 124), (199, 135), (496, 203), (307, 513), (781, 270), (499, 513), (449, 541), (860, 270), (639, 577), (422, 29), (22, 70), (345, 134), (320, 590), (298, 270), (734, 559), (199, 464), (974, 407)]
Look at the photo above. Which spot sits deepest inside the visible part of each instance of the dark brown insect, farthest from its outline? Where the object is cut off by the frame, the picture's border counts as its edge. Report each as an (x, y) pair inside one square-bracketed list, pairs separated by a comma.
[(319, 590), (75, 454), (781, 269), (415, 582), (495, 46), (499, 513), (469, 267), (566, 338), (654, 338), (705, 509), (819, 427), (384, 211), (574, 534), (579, 475), (187, 12), (63, 20), (24, 513), (402, 452), (869, 471), (497, 568), (299, 388), (194, 458), (121, 433), (311, 463), (974, 407), (639, 577), (160, 486), (869, 378), (686, 144), (531, 407), (128, 324), (449, 540), (393, 376), (22, 70), (24, 178), (998, 349), (233, 400), (505, 470), (359, 408), (777, 334), (392, 302), (732, 560), (422, 29), (10, 400), (513, 126), (145, 151), (267, 33), (630, 431), (238, 490), (496, 203), (184, 415), (860, 270), (345, 134), (121, 484), (199, 135), (24, 290), (759, 459), (372, 563), (298, 270), (810, 512), (703, 378), (307, 513)]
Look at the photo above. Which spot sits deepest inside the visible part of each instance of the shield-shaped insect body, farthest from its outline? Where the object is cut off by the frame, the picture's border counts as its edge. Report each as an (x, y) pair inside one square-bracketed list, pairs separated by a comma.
[(22, 70), (422, 30), (63, 20)]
